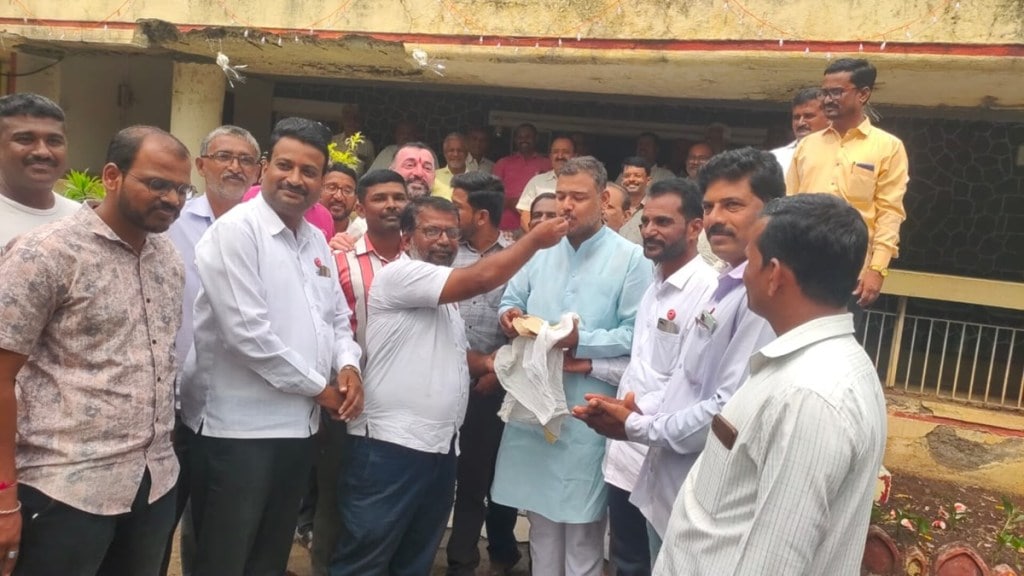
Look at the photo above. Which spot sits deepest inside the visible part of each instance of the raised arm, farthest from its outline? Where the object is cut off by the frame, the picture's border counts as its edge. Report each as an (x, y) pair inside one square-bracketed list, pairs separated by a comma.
[(497, 269)]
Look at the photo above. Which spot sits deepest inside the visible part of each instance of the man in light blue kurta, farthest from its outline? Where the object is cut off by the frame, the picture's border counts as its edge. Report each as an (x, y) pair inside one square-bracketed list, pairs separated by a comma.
[(599, 275)]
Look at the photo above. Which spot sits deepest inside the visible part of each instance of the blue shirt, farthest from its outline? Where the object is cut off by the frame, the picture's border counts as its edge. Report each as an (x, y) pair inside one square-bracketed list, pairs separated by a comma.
[(603, 282), (186, 231)]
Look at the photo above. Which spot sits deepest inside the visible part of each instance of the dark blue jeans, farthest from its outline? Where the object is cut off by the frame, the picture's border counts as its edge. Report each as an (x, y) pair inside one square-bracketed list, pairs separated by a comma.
[(59, 539), (394, 503), (630, 547)]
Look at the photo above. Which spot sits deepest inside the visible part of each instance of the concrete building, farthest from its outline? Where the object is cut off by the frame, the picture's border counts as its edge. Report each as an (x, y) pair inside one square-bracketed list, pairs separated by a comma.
[(951, 85)]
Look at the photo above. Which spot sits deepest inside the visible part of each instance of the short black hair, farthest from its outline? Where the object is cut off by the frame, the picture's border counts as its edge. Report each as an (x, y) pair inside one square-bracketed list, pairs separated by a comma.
[(805, 95), (375, 177), (344, 169), (411, 212), (761, 168), (691, 205), (862, 72), (125, 145), (638, 162), (30, 104), (484, 192), (309, 132), (544, 196), (565, 137), (821, 238)]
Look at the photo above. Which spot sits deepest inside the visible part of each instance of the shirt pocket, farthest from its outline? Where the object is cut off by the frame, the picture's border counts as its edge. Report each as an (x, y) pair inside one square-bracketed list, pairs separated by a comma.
[(665, 351), (713, 464), (861, 189)]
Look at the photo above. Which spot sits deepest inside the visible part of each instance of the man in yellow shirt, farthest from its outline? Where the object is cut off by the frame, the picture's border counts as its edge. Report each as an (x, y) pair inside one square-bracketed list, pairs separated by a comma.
[(858, 162)]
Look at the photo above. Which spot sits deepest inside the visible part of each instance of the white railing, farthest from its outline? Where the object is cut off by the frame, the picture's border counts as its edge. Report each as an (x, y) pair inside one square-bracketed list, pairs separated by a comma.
[(946, 358)]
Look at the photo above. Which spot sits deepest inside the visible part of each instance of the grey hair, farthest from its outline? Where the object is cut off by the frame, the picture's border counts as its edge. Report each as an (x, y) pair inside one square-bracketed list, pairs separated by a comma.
[(586, 165), (453, 135), (228, 130)]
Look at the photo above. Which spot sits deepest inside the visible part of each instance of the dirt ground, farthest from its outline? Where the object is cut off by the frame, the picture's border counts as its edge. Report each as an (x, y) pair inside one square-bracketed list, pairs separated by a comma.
[(919, 500), (298, 563)]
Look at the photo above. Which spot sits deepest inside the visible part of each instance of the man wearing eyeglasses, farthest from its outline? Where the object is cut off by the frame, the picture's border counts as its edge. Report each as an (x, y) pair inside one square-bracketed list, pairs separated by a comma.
[(229, 163), (87, 470), (400, 465), (272, 343), (339, 196), (860, 163)]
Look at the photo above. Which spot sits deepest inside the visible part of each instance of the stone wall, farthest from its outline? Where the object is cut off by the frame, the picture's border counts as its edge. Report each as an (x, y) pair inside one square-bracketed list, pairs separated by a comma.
[(965, 201)]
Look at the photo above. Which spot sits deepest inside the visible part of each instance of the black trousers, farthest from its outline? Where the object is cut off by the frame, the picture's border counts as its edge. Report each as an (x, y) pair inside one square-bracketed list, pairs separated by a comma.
[(183, 436), (478, 444), (245, 501), (58, 540)]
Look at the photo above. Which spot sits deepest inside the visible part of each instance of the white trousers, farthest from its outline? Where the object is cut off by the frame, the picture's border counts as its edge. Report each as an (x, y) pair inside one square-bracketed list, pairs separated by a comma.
[(558, 549)]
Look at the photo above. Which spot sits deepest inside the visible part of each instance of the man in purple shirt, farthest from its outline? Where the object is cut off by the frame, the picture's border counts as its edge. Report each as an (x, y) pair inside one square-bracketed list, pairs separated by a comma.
[(516, 169)]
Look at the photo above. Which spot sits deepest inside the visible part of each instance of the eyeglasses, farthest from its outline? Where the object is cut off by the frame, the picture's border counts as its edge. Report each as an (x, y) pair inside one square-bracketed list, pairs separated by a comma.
[(162, 187), (226, 158), (333, 189), (833, 93), (434, 232)]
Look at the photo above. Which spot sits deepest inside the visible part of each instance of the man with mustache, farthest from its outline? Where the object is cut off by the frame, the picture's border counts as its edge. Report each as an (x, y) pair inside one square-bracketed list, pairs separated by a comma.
[(713, 360), (33, 153), (480, 199), (273, 340), (635, 178), (87, 470), (601, 277), (807, 117), (228, 161), (416, 163), (696, 158), (682, 285), (860, 163), (400, 462), (516, 170), (562, 148), (380, 198)]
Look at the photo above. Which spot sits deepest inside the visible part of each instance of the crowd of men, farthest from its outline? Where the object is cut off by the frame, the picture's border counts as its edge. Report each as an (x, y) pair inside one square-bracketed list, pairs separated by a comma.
[(308, 337)]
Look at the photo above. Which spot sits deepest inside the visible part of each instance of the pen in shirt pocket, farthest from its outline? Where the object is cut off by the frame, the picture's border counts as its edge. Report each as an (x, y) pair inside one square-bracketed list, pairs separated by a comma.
[(865, 166)]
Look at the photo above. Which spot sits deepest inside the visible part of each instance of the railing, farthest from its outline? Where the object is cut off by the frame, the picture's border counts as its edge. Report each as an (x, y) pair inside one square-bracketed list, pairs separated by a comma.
[(962, 360)]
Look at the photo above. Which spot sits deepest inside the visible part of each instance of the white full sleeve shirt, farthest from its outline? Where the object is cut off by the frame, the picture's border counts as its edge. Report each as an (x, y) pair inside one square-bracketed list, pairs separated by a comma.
[(674, 301), (271, 327), (787, 493)]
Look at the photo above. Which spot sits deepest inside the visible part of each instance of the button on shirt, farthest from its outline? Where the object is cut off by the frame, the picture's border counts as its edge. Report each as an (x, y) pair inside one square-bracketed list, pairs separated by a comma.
[(417, 377), (867, 167), (95, 398), (271, 325), (800, 477), (713, 363), (673, 301), (483, 331)]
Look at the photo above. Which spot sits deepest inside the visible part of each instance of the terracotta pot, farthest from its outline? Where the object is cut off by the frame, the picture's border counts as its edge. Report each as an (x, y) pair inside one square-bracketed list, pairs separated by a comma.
[(915, 563), (957, 559), (881, 558)]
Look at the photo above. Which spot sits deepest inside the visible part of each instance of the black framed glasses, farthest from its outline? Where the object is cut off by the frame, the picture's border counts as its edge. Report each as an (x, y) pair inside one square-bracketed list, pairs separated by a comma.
[(162, 187), (225, 158), (834, 93), (434, 232), (333, 189)]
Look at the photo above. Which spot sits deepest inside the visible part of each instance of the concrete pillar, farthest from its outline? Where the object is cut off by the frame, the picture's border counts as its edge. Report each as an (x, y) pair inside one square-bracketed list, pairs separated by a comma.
[(197, 103), (45, 83)]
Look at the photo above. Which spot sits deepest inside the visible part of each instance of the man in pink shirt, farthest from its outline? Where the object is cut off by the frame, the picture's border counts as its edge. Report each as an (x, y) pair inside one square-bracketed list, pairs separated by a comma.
[(516, 169)]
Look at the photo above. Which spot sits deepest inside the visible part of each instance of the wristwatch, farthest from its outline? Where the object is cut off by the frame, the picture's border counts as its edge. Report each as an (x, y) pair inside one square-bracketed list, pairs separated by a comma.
[(880, 269)]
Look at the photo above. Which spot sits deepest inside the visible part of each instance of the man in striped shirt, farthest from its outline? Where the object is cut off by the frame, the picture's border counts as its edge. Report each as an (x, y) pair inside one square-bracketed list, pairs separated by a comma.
[(380, 196)]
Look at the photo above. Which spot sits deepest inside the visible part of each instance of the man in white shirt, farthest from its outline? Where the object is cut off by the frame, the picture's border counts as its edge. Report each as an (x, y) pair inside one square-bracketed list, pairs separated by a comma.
[(788, 474), (562, 149), (674, 420), (682, 285), (33, 154), (271, 330), (228, 161), (417, 386), (478, 140), (807, 117), (648, 147)]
